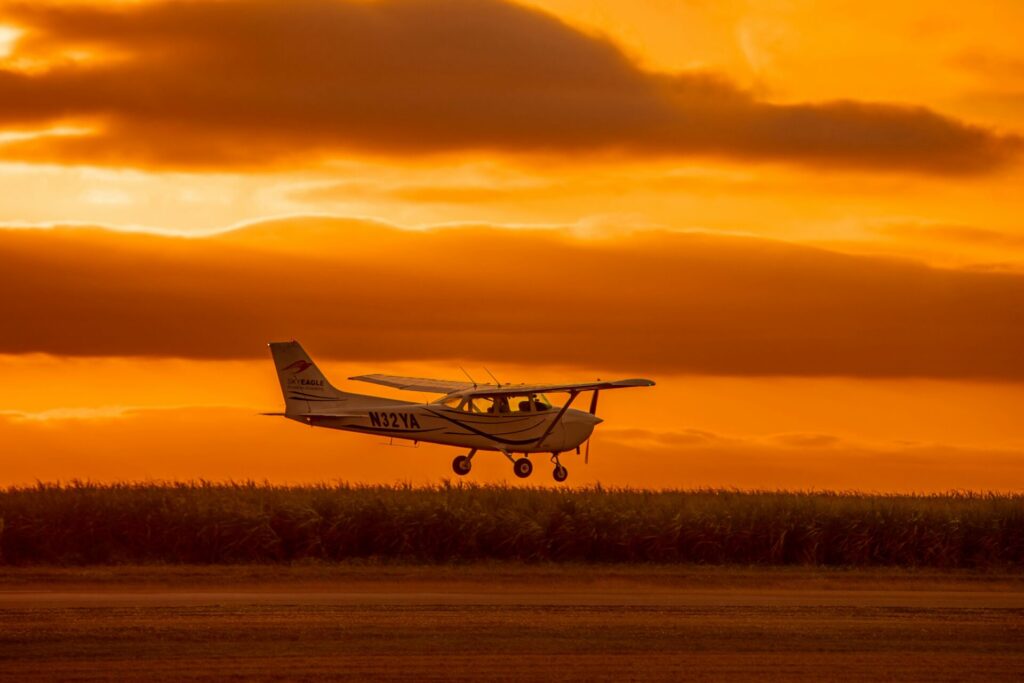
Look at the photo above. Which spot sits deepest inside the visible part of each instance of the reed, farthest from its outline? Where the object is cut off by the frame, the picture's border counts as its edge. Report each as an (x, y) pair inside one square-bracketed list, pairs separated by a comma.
[(207, 523)]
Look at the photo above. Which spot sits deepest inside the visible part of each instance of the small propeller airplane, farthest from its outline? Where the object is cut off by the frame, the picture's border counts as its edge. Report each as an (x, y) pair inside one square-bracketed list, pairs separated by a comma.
[(509, 418)]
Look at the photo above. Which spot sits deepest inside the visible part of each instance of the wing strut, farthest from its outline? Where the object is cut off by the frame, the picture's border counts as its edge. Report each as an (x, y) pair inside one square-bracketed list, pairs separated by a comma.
[(593, 411), (558, 418)]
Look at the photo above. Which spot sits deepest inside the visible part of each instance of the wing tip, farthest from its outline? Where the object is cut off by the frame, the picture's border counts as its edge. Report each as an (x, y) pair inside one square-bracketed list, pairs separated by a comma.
[(635, 382)]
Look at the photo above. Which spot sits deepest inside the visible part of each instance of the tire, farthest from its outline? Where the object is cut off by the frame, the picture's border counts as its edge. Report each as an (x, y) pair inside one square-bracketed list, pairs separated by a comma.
[(522, 468), (462, 465), (560, 474)]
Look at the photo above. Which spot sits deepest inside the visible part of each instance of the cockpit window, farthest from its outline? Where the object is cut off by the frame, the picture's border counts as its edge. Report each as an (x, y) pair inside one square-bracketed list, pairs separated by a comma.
[(478, 404), (533, 404), (498, 405)]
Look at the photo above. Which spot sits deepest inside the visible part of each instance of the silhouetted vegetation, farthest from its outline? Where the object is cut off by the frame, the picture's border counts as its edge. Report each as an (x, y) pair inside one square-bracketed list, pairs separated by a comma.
[(236, 523)]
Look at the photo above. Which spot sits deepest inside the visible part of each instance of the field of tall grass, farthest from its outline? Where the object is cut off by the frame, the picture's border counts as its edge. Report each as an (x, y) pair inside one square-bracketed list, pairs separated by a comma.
[(204, 523)]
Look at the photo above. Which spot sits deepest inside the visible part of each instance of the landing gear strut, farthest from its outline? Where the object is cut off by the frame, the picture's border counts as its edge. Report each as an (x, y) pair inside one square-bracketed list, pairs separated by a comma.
[(560, 473), (463, 463)]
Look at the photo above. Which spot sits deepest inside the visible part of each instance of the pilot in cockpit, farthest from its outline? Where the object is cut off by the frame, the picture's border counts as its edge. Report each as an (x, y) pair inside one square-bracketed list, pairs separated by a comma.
[(500, 406), (532, 404)]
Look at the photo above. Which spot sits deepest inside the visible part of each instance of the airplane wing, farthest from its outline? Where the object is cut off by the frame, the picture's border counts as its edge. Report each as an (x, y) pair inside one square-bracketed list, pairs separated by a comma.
[(442, 386), (520, 389), (432, 386)]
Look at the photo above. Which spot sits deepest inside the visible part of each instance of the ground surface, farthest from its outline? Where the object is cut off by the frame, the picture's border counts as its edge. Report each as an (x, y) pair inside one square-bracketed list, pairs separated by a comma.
[(509, 622)]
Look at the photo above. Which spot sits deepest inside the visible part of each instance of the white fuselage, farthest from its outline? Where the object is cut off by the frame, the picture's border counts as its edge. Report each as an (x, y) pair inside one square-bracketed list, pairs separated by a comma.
[(513, 432)]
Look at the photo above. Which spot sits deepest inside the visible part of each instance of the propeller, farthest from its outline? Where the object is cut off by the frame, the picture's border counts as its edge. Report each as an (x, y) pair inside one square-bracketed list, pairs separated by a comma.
[(593, 411)]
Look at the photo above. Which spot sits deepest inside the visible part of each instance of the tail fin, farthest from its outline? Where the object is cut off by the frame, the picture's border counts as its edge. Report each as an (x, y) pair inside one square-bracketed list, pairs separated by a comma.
[(304, 387)]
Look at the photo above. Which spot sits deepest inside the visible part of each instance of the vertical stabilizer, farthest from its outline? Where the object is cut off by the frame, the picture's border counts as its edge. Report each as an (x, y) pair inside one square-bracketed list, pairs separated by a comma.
[(304, 387)]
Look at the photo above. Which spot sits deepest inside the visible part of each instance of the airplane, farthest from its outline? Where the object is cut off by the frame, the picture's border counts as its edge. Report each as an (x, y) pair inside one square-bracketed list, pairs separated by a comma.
[(513, 419)]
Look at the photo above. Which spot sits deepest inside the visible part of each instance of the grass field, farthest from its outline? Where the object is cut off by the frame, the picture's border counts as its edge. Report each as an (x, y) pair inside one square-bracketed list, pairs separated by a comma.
[(249, 582), (85, 524), (499, 621)]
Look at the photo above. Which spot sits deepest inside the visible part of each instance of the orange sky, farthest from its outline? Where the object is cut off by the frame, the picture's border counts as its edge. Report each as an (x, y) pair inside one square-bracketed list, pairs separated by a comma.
[(800, 218)]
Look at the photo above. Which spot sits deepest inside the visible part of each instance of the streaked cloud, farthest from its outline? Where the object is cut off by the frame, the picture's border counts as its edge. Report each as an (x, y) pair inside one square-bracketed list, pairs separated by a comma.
[(257, 84), (958, 234), (8, 37), (61, 414), (427, 193)]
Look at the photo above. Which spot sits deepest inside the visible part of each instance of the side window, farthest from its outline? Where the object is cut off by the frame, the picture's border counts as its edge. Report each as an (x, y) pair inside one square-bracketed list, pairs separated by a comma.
[(533, 404), (479, 405)]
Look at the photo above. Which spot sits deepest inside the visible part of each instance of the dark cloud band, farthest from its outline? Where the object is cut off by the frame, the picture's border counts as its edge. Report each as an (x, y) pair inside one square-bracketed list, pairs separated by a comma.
[(261, 83), (648, 303)]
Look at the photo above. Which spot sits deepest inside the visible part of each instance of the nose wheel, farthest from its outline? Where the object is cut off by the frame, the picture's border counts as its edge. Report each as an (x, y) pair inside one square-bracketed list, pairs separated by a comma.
[(560, 473), (463, 463)]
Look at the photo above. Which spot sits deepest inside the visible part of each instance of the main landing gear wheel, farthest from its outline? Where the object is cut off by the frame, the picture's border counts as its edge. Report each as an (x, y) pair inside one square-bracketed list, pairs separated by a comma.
[(462, 465), (560, 474), (523, 468)]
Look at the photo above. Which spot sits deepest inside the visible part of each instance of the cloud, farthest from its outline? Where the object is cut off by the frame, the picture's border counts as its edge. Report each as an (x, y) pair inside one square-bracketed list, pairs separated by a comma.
[(956, 234), (682, 438), (1002, 68), (431, 193), (259, 83), (108, 412), (646, 303), (698, 438), (811, 461)]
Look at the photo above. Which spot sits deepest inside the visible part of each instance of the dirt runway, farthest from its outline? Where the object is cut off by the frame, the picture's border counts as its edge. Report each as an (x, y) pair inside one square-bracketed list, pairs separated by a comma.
[(511, 626)]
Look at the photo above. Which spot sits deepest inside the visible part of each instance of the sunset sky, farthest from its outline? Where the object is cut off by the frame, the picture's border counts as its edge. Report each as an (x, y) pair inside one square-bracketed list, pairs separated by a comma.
[(801, 218)]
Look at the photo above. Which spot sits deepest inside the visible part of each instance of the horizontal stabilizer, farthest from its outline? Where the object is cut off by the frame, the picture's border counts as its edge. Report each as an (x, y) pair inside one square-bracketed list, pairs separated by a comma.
[(318, 416)]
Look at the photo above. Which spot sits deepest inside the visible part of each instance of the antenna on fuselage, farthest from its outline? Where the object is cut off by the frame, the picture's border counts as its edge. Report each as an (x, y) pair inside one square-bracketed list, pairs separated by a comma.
[(492, 376), (468, 375)]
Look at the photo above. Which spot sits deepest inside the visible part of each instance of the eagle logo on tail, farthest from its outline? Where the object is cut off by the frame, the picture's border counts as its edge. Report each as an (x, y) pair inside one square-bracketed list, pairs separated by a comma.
[(298, 366)]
